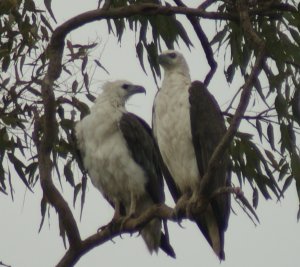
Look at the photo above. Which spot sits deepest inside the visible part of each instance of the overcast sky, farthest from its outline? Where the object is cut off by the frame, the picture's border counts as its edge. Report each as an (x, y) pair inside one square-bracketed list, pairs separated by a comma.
[(275, 242)]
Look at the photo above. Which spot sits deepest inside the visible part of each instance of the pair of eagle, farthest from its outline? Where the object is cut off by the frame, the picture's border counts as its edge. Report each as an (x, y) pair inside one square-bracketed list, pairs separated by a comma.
[(126, 160)]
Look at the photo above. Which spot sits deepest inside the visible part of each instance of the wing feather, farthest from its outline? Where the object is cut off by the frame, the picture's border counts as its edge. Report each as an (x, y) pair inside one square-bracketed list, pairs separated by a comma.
[(208, 128), (141, 144)]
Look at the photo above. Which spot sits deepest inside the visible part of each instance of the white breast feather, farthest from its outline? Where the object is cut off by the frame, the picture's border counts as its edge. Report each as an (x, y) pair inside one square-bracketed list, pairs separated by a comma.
[(106, 156), (173, 130)]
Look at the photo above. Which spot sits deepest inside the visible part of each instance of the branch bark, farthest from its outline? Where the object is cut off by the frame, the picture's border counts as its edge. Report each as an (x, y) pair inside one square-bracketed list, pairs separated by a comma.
[(260, 51)]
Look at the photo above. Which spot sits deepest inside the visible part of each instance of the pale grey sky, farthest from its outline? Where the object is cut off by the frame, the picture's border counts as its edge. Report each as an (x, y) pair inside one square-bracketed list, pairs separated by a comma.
[(275, 242)]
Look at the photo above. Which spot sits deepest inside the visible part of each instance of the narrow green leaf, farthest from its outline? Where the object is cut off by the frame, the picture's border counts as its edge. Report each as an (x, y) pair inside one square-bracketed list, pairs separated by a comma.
[(259, 129), (295, 164), (296, 105), (48, 6), (69, 174), (83, 182), (90, 97), (76, 191), (287, 183), (84, 63), (46, 23), (255, 198), (270, 133), (272, 159), (281, 106), (43, 211), (140, 53), (74, 86), (19, 165), (86, 81), (62, 231), (101, 66), (283, 171), (229, 73), (218, 38), (5, 63)]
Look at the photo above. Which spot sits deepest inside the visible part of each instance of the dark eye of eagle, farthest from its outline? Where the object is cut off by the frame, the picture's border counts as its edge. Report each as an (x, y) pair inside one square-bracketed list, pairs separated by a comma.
[(172, 55), (125, 86)]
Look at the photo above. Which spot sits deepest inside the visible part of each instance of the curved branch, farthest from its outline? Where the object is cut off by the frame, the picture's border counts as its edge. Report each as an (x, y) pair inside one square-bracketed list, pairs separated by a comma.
[(259, 48), (204, 42), (133, 225)]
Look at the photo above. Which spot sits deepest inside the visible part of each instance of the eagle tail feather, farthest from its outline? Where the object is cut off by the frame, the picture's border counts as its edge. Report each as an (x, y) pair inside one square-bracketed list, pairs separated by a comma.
[(208, 225), (166, 246)]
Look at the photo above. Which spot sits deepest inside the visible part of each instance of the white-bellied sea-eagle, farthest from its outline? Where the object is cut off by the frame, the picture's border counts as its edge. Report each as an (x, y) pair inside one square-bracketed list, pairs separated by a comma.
[(120, 155), (188, 125)]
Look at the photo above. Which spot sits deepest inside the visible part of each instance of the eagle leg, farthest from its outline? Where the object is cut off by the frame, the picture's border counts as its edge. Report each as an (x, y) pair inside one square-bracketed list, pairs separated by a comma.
[(115, 218), (132, 210), (197, 204)]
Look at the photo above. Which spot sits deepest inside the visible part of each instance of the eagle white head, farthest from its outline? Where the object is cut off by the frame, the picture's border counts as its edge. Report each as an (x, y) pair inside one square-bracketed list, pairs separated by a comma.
[(173, 61), (119, 91)]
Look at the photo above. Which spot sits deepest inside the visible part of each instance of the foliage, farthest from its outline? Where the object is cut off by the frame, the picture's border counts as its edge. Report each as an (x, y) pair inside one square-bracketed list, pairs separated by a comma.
[(266, 157)]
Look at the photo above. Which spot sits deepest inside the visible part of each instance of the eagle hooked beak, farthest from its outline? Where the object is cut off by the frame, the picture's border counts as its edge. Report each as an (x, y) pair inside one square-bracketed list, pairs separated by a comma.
[(135, 89)]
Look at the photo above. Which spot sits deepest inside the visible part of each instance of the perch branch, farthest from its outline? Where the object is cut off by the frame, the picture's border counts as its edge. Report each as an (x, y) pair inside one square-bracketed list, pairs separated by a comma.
[(133, 225)]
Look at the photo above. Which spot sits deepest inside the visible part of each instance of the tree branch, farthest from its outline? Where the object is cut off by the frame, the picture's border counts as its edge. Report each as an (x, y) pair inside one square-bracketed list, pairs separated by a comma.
[(133, 225), (259, 48), (204, 42)]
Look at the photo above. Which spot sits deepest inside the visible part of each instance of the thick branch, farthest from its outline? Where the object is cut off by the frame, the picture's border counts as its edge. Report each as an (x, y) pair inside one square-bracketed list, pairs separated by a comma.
[(259, 45)]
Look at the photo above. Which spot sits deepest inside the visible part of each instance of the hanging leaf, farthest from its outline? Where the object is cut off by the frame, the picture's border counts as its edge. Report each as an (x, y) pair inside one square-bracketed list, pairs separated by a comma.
[(19, 166), (5, 63), (295, 165), (43, 211), (101, 66), (287, 183), (86, 81), (48, 6), (255, 198), (76, 191), (74, 86), (84, 63), (259, 129), (83, 182), (69, 174), (270, 133)]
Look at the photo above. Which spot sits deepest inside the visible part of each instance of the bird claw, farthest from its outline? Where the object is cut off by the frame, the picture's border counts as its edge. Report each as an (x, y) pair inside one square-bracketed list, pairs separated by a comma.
[(125, 220), (180, 208), (109, 226)]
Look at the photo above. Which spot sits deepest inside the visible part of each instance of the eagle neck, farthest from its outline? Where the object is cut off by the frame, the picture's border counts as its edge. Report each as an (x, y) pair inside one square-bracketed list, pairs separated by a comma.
[(175, 78), (111, 102)]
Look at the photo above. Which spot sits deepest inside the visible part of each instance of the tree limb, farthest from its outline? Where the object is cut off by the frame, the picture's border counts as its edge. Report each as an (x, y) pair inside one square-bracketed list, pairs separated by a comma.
[(133, 225), (259, 48), (204, 42)]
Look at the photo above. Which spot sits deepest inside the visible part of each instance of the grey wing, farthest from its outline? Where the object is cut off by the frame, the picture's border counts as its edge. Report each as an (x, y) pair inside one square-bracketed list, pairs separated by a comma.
[(208, 128), (141, 143)]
